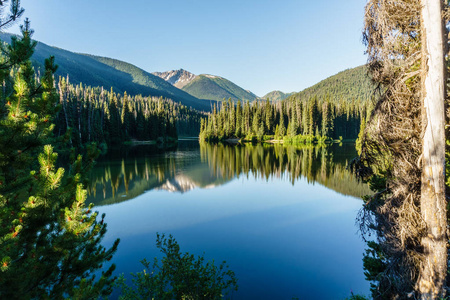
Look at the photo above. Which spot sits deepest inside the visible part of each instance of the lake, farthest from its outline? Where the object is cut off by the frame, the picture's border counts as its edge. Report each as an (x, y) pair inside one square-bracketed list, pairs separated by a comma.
[(282, 217)]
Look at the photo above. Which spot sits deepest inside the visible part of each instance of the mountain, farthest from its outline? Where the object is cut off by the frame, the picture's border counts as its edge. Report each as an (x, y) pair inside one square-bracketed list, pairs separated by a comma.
[(217, 88), (206, 86), (350, 84), (178, 78), (277, 96), (110, 73)]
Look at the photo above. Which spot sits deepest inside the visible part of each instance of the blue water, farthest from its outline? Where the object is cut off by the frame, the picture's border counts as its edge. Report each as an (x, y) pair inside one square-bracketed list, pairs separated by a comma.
[(283, 238)]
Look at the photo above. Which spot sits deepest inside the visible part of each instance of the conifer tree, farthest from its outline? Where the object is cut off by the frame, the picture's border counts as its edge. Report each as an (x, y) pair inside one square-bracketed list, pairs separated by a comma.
[(124, 117), (298, 107), (327, 119), (282, 128), (292, 127), (49, 241), (238, 132), (306, 119), (269, 117), (246, 118), (313, 116), (256, 121)]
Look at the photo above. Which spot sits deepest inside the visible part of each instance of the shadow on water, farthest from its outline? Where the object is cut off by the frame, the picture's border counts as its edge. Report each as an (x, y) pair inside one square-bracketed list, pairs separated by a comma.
[(126, 173)]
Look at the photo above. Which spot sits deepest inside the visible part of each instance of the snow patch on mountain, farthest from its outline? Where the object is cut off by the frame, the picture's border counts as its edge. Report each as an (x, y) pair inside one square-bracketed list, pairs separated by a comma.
[(178, 78)]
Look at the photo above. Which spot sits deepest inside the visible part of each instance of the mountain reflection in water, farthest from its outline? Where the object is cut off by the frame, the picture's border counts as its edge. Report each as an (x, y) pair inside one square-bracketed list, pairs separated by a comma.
[(125, 174)]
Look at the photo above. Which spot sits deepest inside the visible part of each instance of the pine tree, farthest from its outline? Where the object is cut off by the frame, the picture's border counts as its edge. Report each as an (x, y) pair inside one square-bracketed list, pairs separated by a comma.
[(125, 117), (306, 118), (313, 116), (246, 119), (50, 242), (268, 117), (292, 126), (327, 119), (282, 128), (238, 132), (256, 121)]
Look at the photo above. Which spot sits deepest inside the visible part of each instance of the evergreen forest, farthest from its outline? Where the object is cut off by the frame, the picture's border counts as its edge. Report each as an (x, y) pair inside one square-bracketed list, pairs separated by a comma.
[(293, 120), (93, 114), (350, 84)]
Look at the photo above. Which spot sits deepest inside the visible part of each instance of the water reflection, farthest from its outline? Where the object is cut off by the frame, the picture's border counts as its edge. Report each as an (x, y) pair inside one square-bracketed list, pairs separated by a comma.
[(123, 175), (267, 213)]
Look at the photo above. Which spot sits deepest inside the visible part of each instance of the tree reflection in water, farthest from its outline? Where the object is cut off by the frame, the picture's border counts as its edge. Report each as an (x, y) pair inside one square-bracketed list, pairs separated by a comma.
[(125, 175)]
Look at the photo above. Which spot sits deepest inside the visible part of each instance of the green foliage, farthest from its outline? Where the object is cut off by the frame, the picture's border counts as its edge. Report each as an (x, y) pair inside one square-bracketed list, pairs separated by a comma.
[(179, 276), (217, 88), (374, 264), (50, 242), (357, 297)]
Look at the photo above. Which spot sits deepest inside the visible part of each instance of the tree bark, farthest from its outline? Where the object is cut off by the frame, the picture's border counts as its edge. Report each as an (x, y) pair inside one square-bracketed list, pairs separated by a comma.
[(433, 270)]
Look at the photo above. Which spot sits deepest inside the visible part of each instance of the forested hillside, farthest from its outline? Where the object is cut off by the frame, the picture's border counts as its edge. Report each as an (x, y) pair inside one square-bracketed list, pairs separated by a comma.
[(143, 78), (98, 115), (109, 73), (351, 84)]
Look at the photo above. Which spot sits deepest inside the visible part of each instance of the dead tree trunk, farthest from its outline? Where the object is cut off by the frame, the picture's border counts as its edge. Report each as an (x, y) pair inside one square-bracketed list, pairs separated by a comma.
[(433, 205)]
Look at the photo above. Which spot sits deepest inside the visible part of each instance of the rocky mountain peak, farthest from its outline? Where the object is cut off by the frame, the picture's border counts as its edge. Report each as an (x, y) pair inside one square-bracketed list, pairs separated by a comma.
[(178, 78)]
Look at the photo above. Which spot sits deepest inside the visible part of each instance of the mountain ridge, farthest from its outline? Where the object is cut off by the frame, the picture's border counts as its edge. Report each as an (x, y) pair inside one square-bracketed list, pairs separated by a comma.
[(352, 83), (206, 86), (277, 95), (213, 87), (183, 86), (109, 73)]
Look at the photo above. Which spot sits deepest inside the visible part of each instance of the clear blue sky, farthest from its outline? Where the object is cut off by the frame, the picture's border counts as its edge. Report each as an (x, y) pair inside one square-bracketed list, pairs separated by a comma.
[(261, 45)]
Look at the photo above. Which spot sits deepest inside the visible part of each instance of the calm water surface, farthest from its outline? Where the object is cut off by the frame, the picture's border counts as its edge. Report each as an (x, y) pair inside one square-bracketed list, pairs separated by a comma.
[(282, 217)]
